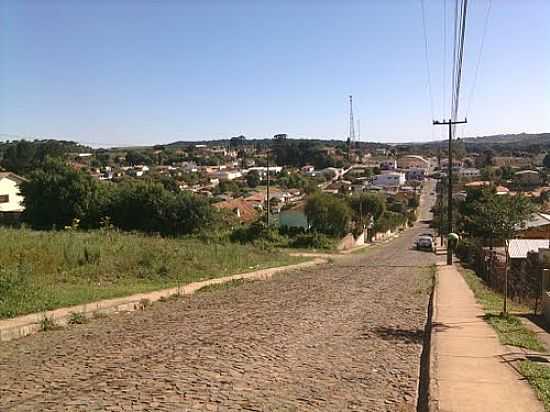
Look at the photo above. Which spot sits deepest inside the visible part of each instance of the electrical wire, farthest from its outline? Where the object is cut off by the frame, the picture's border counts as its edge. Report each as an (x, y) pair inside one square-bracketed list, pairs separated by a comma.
[(474, 84), (426, 56)]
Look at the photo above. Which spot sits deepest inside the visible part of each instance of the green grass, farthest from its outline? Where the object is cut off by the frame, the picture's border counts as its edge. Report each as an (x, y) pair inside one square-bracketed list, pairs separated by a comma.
[(45, 270), (538, 376), (491, 301), (509, 328), (425, 281), (512, 332)]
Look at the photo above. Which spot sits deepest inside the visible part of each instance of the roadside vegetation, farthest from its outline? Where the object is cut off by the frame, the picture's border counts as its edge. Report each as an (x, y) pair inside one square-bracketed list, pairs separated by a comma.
[(45, 270), (538, 375), (509, 328)]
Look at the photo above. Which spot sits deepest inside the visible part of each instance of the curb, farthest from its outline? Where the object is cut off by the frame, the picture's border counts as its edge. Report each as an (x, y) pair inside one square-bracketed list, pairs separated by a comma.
[(433, 389), (29, 324)]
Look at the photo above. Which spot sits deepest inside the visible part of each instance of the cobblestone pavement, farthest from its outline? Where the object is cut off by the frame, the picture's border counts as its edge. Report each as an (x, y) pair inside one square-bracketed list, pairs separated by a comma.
[(342, 336)]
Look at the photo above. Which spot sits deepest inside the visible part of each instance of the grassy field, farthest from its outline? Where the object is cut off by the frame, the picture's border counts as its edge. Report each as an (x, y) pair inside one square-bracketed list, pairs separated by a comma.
[(46, 270), (510, 329)]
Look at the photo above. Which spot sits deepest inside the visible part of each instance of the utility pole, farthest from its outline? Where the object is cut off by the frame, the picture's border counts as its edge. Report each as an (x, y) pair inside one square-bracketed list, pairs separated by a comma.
[(450, 122), (440, 203), (351, 139), (267, 192)]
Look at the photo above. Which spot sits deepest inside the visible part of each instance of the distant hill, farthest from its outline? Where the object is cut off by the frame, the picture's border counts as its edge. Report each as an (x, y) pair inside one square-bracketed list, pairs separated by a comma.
[(522, 138)]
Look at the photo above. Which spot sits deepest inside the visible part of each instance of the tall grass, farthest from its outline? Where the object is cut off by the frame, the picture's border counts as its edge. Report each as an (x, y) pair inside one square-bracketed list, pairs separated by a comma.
[(45, 270)]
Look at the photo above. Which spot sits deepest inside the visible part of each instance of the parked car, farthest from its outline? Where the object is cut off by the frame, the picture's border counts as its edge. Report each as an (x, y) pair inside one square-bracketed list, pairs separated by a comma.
[(425, 242)]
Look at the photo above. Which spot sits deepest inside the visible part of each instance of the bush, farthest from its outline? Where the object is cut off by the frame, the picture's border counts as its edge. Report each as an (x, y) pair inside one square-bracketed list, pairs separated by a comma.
[(58, 196), (257, 232), (312, 240)]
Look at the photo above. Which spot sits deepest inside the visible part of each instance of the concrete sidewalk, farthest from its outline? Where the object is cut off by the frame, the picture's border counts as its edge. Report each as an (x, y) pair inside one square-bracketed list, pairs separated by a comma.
[(468, 369)]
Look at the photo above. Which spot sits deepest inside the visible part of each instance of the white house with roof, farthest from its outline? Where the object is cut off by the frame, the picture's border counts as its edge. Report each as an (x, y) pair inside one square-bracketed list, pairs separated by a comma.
[(469, 173), (11, 200), (390, 179)]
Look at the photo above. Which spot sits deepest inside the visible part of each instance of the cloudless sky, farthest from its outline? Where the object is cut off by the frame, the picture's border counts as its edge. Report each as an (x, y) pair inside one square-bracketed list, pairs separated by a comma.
[(108, 72)]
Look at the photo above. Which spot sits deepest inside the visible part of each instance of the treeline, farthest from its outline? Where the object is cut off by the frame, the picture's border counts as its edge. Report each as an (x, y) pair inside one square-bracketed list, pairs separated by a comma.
[(56, 196), (23, 156)]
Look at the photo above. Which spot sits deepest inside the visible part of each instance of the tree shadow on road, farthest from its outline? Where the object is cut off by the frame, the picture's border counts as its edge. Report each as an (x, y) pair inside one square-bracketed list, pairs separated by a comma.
[(409, 336)]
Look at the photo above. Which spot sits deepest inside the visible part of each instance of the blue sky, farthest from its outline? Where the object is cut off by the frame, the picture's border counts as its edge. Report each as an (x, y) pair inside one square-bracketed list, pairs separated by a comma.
[(144, 72)]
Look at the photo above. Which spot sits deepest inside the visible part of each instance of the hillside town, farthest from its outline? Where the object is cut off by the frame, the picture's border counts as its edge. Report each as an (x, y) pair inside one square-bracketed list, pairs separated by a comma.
[(274, 206)]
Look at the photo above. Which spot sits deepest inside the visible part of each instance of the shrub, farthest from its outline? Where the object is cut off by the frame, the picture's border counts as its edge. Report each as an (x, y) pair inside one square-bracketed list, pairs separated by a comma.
[(312, 240)]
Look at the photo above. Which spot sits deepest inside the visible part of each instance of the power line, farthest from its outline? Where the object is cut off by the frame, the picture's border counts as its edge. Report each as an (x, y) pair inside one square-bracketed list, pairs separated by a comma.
[(444, 57), (459, 47), (489, 4), (426, 56)]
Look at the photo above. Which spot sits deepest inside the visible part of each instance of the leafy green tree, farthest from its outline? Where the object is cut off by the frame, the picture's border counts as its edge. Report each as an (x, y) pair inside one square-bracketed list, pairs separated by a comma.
[(19, 157), (369, 204), (253, 179), (134, 158), (494, 218), (328, 214), (56, 195), (546, 161), (138, 205)]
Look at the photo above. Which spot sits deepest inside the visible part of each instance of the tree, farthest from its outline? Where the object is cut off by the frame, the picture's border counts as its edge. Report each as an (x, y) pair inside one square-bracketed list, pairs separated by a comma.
[(253, 179), (499, 218), (369, 204), (134, 158), (546, 161), (19, 157), (56, 195), (328, 214)]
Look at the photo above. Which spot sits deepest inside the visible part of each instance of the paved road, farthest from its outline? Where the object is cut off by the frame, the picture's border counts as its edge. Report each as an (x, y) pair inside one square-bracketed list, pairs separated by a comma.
[(343, 336)]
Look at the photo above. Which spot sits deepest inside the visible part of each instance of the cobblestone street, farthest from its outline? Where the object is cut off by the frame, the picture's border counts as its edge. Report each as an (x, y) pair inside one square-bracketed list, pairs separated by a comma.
[(345, 335)]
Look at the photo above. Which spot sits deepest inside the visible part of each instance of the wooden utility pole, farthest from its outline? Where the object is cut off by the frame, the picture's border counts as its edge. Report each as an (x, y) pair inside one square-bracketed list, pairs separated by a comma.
[(440, 196), (450, 182), (267, 191)]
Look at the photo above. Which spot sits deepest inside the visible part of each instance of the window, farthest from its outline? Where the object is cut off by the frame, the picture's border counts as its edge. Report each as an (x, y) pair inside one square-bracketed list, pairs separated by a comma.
[(4, 198)]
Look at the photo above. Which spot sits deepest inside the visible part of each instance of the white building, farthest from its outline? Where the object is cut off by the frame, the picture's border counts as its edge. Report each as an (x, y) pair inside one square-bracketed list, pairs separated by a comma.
[(10, 199), (469, 173), (262, 170), (391, 179), (227, 174)]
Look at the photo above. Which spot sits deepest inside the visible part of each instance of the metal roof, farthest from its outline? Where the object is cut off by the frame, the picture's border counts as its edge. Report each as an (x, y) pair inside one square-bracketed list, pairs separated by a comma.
[(518, 248)]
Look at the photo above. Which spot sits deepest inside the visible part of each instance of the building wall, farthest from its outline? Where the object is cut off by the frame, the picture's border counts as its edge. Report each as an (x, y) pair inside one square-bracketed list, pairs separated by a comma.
[(541, 232), (389, 180), (10, 188)]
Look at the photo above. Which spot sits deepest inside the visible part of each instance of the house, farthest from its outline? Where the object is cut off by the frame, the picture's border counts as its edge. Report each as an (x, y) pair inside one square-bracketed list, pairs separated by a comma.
[(294, 217), (262, 170), (415, 173), (227, 174), (413, 161), (527, 178), (512, 161), (456, 163), (11, 201), (241, 208), (519, 248), (388, 164), (469, 173), (536, 227), (391, 179)]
